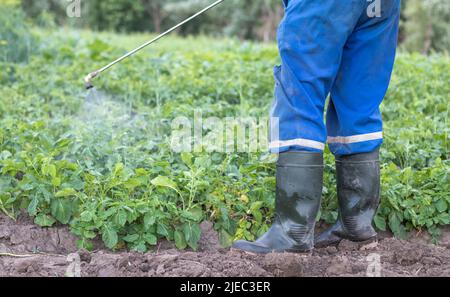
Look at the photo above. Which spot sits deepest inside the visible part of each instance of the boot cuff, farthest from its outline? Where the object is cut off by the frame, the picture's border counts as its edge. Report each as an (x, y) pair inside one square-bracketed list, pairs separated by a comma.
[(360, 158), (300, 159)]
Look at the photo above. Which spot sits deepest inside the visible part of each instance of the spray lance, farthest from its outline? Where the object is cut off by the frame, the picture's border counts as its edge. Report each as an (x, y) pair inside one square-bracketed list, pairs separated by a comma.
[(90, 76)]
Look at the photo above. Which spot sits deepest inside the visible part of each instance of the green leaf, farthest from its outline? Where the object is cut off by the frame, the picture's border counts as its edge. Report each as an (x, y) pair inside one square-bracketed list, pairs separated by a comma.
[(194, 214), (150, 238), (56, 181), (44, 220), (164, 181), (61, 210), (162, 229), (192, 233), (108, 213), (394, 222), (120, 219), (444, 218), (118, 169), (187, 231), (32, 207), (131, 238), (225, 238), (49, 170), (132, 183), (441, 205), (140, 247), (66, 193), (380, 223), (47, 195), (187, 159), (62, 143), (396, 226), (255, 206), (109, 236), (180, 241), (84, 243), (86, 216), (257, 215), (149, 220), (89, 234)]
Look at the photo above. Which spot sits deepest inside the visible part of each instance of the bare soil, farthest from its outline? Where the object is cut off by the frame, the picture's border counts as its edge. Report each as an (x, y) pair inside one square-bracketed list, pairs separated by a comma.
[(28, 250)]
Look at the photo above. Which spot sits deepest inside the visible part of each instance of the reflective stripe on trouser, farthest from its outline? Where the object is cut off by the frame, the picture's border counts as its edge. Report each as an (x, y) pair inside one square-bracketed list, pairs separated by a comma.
[(333, 47)]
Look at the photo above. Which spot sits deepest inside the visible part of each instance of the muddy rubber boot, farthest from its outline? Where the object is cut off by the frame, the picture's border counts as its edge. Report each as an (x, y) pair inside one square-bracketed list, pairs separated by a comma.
[(298, 196), (358, 190)]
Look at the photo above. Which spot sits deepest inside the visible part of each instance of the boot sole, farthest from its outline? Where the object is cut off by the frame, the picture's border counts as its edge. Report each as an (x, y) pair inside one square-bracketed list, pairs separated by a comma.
[(359, 242)]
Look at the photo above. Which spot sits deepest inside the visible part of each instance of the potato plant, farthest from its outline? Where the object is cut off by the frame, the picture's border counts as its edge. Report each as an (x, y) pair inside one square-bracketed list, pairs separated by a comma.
[(106, 169)]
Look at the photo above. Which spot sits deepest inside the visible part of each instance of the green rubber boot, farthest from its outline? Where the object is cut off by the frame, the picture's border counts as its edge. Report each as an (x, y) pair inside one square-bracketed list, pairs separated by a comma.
[(358, 189), (298, 196)]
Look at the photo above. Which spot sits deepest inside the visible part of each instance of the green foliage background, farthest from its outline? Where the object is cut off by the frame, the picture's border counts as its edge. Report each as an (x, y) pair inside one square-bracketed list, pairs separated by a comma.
[(105, 167), (424, 27)]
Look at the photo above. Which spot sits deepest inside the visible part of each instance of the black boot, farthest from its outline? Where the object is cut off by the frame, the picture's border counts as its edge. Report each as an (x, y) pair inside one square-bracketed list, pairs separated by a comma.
[(298, 197), (358, 189)]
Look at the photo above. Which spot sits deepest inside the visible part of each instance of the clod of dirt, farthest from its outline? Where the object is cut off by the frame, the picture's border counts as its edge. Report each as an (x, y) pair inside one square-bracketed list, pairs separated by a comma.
[(339, 266), (209, 240), (283, 264), (445, 238), (107, 272), (407, 256), (347, 245), (4, 249), (24, 235), (431, 261), (331, 250), (23, 265), (85, 256), (123, 262), (369, 246), (4, 233)]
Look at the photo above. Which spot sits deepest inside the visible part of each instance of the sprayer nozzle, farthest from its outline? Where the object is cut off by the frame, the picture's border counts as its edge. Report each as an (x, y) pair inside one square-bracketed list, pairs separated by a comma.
[(88, 79)]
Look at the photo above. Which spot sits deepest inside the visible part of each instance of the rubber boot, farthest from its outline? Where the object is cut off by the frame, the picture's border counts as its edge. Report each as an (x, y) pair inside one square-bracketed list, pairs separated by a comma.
[(358, 190), (298, 196)]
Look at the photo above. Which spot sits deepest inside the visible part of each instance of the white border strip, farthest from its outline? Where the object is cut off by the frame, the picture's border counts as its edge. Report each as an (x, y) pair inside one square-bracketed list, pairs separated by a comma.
[(299, 142), (356, 138)]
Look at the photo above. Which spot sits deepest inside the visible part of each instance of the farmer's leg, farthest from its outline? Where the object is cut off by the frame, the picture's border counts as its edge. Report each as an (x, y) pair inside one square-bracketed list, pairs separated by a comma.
[(311, 39), (354, 122)]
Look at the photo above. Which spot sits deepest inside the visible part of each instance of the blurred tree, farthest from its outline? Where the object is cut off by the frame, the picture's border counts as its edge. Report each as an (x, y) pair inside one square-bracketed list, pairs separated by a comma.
[(16, 41), (271, 15), (118, 15), (35, 8), (243, 19), (426, 25), (154, 9), (439, 14)]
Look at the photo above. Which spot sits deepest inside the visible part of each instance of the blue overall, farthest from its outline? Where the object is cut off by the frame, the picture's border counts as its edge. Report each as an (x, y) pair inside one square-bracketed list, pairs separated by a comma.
[(342, 48)]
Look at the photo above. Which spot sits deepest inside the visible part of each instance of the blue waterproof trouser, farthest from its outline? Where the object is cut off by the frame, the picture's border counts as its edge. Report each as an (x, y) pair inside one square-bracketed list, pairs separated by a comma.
[(345, 48)]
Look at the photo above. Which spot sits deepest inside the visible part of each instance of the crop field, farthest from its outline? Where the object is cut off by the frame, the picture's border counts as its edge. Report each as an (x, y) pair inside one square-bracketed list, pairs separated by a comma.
[(99, 165)]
